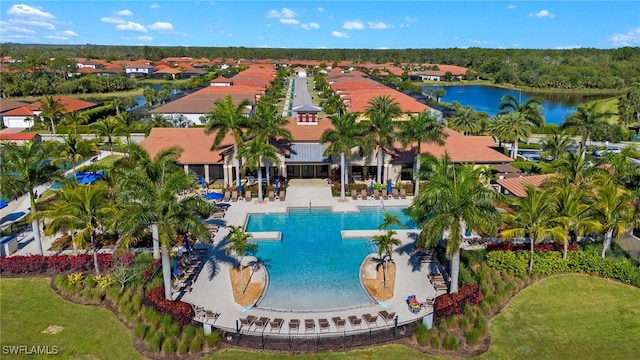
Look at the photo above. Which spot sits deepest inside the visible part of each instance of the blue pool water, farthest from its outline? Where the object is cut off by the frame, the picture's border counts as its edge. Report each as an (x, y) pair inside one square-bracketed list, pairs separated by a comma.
[(312, 268)]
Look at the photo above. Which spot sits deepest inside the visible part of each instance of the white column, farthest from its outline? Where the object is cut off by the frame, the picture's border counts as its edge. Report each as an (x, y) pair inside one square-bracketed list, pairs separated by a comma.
[(207, 328), (206, 173), (186, 168), (428, 321), (225, 174)]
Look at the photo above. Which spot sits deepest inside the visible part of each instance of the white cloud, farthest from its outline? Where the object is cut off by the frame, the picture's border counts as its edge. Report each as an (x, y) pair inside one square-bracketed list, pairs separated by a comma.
[(112, 20), (542, 14), (339, 35), (283, 14), (56, 37), (320, 9), (5, 27), (67, 33), (311, 25), (353, 25), (131, 26), (161, 26), (478, 42), (377, 25), (37, 23), (383, 48), (630, 38), (289, 21), (568, 47), (125, 12), (144, 38), (26, 10), (154, 6), (511, 6)]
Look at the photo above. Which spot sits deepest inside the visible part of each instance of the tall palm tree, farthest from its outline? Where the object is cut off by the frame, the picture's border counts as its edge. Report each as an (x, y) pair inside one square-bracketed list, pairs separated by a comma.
[(127, 124), (73, 149), (255, 152), (228, 118), (346, 134), (574, 213), (513, 126), (466, 120), (23, 168), (587, 120), (556, 144), (453, 200), (386, 243), (535, 217), (75, 118), (267, 121), (152, 186), (238, 243), (381, 111), (108, 127), (423, 127), (83, 208), (157, 120), (613, 211), (575, 169), (51, 109), (531, 109)]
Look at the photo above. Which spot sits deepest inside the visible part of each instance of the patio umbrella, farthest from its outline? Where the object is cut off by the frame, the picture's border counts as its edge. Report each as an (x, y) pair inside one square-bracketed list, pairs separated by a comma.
[(239, 186), (389, 186), (277, 184), (371, 187), (213, 196), (175, 266), (3, 204)]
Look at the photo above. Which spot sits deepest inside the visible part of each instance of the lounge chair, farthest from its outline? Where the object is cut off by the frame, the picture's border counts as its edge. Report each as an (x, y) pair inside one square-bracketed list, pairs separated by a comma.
[(247, 195), (217, 215), (261, 323), (403, 193), (376, 194), (363, 194), (211, 315), (324, 324), (370, 319), (282, 195), (384, 195), (354, 195), (294, 325), (309, 325), (395, 194), (198, 312), (272, 195), (276, 324), (227, 196), (234, 196), (248, 321), (387, 316), (430, 301), (338, 322), (354, 321)]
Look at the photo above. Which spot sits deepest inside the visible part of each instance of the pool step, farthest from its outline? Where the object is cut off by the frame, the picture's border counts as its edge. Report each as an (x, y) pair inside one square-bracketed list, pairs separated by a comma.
[(266, 235)]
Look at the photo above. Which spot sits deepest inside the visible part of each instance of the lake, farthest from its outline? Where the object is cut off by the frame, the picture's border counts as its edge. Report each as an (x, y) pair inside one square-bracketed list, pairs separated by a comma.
[(486, 98)]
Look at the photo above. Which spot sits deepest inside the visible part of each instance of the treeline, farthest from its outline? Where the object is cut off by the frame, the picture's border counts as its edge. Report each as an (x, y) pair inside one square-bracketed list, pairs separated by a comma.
[(584, 68)]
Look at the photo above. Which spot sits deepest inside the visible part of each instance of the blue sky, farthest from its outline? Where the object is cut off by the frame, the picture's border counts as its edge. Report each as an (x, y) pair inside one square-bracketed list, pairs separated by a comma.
[(325, 24)]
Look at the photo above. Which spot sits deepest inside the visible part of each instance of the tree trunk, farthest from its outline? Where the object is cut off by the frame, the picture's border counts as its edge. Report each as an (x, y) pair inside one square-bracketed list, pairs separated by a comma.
[(166, 273), (455, 269), (379, 174), (384, 274), (53, 128), (531, 255), (416, 176), (75, 246), (607, 242), (237, 163), (259, 183), (35, 223), (514, 149), (342, 171), (241, 274), (566, 249), (156, 241), (267, 164)]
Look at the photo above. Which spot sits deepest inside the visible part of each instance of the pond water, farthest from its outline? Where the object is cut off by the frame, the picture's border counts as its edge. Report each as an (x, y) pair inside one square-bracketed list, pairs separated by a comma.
[(140, 99), (486, 98)]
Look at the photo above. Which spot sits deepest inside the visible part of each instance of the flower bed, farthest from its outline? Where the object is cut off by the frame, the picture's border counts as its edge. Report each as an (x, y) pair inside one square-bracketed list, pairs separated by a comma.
[(180, 311), (39, 264), (451, 304)]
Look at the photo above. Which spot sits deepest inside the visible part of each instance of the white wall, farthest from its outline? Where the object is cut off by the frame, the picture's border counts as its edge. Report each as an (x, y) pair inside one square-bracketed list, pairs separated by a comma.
[(17, 122)]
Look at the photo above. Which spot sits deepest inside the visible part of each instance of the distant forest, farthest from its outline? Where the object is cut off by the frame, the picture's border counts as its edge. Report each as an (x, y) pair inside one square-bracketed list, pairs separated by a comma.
[(575, 69)]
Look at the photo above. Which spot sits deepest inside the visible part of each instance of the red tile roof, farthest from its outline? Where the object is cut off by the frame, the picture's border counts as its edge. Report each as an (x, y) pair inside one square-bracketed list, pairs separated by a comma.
[(195, 143), (70, 104), (516, 185), (21, 136), (466, 149)]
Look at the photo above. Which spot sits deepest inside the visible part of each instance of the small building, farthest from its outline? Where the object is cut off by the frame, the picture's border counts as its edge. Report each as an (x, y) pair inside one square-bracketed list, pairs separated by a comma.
[(307, 114)]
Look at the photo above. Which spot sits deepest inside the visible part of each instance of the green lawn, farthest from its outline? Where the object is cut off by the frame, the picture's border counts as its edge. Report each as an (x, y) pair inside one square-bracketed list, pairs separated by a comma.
[(29, 306), (563, 317)]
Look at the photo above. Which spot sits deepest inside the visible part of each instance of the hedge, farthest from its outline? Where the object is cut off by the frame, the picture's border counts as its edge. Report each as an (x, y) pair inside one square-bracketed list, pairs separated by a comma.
[(39, 264), (181, 312), (447, 305)]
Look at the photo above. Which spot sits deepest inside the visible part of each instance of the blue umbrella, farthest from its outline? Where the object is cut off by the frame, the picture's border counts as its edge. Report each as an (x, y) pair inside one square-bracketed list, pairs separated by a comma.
[(277, 183), (389, 186), (175, 266), (213, 196), (240, 186), (371, 187), (3, 204)]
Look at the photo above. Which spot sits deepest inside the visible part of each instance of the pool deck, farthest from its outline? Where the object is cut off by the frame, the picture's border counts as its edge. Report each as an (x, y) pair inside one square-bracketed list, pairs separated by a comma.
[(212, 288)]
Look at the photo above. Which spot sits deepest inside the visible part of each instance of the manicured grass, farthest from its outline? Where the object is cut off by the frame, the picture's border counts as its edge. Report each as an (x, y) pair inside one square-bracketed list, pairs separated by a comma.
[(569, 317), (29, 306), (378, 352)]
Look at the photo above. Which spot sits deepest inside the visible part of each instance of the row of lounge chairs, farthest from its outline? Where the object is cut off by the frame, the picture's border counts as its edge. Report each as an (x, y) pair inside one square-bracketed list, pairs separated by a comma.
[(233, 196), (378, 194), (188, 269), (205, 315), (260, 323)]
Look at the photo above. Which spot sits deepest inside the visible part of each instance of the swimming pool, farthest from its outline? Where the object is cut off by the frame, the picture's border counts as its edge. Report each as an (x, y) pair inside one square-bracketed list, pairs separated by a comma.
[(312, 268)]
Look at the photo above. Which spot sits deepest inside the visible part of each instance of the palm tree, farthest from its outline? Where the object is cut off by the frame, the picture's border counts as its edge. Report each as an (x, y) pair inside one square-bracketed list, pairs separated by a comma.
[(574, 214), (267, 121), (382, 110), (344, 136), (535, 217), (466, 120), (385, 243), (73, 149), (157, 120), (586, 121), (575, 169), (150, 96), (423, 127), (556, 144), (23, 168), (127, 124), (51, 109), (86, 209), (109, 128), (512, 126), (238, 243), (613, 210), (531, 109), (452, 201), (152, 186), (227, 118), (75, 118), (255, 152)]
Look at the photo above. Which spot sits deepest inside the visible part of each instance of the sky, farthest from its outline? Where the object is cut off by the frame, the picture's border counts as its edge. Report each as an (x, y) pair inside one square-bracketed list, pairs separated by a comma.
[(372, 24)]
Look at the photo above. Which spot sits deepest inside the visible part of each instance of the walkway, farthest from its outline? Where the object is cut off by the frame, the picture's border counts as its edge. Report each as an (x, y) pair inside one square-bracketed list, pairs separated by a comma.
[(212, 289)]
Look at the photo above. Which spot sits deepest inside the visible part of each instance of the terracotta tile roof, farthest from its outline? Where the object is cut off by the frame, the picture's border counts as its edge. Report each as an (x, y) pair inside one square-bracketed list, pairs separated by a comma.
[(202, 101), (20, 111), (6, 104), (70, 104), (21, 136), (306, 132), (516, 185), (195, 143), (466, 149), (168, 70)]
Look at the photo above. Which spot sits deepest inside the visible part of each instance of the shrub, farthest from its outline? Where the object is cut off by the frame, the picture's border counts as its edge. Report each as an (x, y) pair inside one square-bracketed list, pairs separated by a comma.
[(140, 331), (472, 336), (168, 346), (422, 333), (183, 345), (155, 341), (435, 342), (180, 311), (451, 342), (39, 264), (196, 343), (451, 304), (173, 329), (75, 278), (104, 281), (213, 339)]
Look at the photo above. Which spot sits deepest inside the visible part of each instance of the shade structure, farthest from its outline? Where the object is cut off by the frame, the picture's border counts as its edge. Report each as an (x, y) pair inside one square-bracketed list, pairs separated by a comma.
[(3, 204), (83, 178), (213, 196), (389, 186)]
